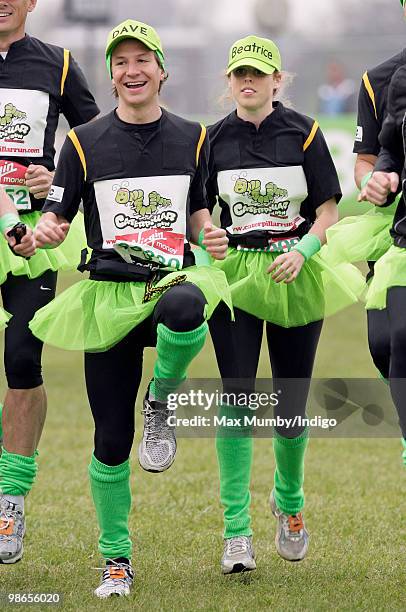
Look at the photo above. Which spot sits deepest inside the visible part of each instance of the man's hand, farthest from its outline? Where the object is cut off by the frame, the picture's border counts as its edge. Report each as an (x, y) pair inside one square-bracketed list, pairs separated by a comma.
[(50, 234), (26, 247), (286, 267), (215, 240), (379, 186), (38, 180)]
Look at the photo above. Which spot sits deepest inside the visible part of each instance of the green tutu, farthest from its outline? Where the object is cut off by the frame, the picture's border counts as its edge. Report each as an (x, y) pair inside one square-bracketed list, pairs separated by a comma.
[(318, 291), (360, 238), (4, 319), (94, 315), (389, 272), (64, 257)]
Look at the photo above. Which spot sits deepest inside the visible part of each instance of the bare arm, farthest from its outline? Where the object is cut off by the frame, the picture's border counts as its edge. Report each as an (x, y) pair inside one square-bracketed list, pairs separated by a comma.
[(286, 267), (215, 239)]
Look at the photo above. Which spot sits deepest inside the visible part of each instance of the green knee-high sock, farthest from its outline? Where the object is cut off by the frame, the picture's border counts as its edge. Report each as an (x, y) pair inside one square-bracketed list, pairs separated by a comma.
[(234, 453), (175, 352), (17, 473), (110, 486), (289, 472)]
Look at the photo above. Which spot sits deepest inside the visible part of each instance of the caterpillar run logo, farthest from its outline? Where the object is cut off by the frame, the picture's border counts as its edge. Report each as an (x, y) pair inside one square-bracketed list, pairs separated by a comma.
[(11, 128), (268, 200), (150, 213)]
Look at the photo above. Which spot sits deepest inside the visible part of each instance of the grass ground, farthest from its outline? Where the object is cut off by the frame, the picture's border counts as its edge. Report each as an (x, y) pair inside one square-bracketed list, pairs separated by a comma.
[(354, 510)]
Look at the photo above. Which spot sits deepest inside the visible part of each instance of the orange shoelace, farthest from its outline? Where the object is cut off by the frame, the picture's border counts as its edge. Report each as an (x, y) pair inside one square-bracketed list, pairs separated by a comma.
[(296, 522)]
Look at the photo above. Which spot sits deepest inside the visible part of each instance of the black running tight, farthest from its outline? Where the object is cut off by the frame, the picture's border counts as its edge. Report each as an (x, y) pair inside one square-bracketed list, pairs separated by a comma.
[(291, 351)]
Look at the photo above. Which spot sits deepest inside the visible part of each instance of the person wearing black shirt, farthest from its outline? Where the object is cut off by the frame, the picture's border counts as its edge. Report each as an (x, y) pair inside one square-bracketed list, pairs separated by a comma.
[(367, 237), (37, 82), (276, 184), (388, 287), (141, 172)]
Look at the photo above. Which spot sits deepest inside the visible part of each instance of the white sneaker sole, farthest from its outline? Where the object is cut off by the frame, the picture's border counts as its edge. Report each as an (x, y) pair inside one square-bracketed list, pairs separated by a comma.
[(150, 467)]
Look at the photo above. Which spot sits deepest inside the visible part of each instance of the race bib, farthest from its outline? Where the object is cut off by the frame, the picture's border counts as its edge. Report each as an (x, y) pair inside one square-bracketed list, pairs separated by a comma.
[(12, 178), (23, 116), (144, 217), (275, 245), (266, 199)]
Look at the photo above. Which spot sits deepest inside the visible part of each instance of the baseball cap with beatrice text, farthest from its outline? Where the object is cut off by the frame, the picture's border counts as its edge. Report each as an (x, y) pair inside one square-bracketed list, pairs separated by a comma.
[(260, 53), (137, 31)]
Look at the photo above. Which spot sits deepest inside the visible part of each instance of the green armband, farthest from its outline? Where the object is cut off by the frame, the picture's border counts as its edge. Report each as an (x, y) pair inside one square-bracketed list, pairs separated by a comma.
[(308, 246), (365, 179), (200, 239), (8, 220)]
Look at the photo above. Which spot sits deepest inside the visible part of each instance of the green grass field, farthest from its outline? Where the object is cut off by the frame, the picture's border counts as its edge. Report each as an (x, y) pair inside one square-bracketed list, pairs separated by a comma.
[(354, 509)]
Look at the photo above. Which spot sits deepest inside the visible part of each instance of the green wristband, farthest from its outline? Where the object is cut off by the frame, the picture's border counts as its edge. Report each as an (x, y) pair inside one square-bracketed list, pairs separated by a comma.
[(8, 220), (308, 246), (200, 239), (365, 179)]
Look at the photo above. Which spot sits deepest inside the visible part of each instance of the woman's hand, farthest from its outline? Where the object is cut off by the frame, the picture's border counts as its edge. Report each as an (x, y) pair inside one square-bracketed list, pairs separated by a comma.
[(286, 267)]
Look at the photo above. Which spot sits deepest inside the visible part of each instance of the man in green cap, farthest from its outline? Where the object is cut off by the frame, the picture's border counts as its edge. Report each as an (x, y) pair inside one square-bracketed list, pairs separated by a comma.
[(141, 172)]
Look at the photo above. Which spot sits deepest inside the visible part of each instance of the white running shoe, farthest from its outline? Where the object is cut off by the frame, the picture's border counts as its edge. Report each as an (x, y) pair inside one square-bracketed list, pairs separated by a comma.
[(12, 529), (292, 538), (238, 555), (117, 579), (157, 449)]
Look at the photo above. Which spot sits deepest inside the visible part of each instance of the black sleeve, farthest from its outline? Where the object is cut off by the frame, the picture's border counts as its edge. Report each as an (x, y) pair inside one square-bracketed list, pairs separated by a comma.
[(320, 172), (392, 157), (366, 137), (198, 196), (211, 185), (78, 104), (67, 188)]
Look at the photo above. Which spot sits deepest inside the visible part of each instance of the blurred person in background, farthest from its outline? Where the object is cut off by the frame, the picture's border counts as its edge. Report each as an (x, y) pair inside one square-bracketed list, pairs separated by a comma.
[(38, 81), (337, 95)]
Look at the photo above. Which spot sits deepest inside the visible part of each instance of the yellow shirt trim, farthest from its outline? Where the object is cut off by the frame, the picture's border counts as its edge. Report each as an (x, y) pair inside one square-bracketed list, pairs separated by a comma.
[(79, 149), (310, 137), (200, 143), (370, 91), (65, 69)]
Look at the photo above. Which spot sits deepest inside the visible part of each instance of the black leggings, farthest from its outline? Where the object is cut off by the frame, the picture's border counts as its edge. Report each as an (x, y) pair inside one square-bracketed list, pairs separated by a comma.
[(379, 340), (396, 307), (291, 352), (22, 297), (113, 377)]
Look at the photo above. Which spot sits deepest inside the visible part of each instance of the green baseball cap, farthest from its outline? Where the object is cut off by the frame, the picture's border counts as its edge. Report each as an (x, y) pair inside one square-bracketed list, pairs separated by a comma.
[(260, 53), (138, 31)]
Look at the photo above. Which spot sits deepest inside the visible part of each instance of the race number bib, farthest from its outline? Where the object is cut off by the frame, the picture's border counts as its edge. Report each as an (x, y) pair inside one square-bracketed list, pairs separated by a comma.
[(23, 116), (266, 199), (12, 178), (144, 217)]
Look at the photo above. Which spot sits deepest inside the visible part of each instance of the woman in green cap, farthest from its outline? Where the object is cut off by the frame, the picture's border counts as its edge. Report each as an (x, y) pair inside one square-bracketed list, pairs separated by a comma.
[(278, 190), (141, 172)]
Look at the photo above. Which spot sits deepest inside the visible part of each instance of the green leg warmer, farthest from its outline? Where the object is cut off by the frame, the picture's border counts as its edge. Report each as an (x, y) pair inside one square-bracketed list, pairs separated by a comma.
[(175, 352), (110, 486), (234, 448), (289, 472), (17, 473)]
